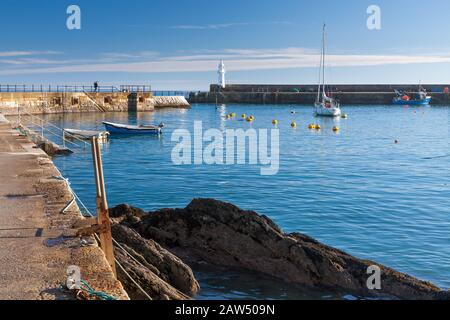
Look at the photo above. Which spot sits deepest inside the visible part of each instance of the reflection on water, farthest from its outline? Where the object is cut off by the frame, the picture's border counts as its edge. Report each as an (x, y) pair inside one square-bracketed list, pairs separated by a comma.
[(232, 284), (356, 190)]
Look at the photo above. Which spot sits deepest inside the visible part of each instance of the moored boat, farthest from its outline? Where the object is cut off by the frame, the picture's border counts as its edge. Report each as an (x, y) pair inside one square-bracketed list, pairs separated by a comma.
[(132, 129), (325, 106), (403, 99), (103, 136)]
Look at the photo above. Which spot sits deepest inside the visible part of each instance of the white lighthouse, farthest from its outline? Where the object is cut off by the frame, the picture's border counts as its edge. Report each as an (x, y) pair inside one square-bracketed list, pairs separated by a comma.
[(221, 72)]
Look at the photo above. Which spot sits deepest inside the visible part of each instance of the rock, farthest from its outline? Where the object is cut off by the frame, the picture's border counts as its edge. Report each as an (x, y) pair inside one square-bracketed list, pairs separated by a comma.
[(132, 214), (156, 288), (166, 265), (219, 233)]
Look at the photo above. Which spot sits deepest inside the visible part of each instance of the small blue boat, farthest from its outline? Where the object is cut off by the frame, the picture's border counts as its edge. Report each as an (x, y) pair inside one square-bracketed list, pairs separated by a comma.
[(132, 129), (402, 99), (419, 102)]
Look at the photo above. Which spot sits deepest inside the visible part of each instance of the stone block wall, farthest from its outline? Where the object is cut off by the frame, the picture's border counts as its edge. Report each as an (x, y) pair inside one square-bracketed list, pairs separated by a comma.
[(61, 102)]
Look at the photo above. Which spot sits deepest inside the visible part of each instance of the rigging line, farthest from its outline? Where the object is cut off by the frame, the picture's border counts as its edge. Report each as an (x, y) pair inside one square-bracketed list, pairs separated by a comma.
[(319, 90)]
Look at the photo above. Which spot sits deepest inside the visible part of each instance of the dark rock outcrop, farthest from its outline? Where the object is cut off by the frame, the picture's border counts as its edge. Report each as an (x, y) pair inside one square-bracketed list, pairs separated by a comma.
[(124, 211), (161, 274), (218, 233)]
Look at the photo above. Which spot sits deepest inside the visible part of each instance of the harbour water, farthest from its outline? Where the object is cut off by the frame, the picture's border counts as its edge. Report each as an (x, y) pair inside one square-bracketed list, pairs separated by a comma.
[(357, 190)]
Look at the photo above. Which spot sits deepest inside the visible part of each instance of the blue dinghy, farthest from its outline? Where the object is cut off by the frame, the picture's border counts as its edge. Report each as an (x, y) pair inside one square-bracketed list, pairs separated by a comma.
[(132, 129)]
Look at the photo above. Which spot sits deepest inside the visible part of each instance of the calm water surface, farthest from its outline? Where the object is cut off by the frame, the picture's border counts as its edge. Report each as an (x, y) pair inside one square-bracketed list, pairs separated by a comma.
[(356, 190)]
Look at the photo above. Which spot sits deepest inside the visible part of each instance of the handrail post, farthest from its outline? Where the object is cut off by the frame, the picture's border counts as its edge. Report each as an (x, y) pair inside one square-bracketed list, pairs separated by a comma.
[(102, 206)]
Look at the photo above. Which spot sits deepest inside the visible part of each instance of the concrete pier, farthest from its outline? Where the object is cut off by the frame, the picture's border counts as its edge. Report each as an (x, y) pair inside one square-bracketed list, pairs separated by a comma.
[(70, 102), (37, 242)]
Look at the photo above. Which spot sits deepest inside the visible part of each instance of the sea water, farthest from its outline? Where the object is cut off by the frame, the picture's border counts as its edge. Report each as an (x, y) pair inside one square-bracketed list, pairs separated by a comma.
[(357, 190)]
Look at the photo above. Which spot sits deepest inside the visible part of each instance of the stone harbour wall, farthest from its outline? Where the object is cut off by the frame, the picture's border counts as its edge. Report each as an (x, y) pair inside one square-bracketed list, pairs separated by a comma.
[(307, 94), (66, 102)]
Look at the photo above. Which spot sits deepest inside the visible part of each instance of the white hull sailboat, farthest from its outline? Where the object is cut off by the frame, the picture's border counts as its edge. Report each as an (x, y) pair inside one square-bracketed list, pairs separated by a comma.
[(325, 106)]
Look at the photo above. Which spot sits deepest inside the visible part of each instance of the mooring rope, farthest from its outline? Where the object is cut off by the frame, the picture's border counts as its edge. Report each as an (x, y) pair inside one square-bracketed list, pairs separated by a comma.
[(66, 180), (132, 280), (99, 294), (129, 254)]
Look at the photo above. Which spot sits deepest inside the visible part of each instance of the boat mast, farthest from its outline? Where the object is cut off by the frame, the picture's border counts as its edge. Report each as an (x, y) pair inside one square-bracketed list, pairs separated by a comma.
[(323, 59), (321, 70), (319, 83)]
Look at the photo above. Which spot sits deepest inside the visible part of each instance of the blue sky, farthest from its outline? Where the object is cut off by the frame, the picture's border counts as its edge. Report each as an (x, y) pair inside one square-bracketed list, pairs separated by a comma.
[(177, 44)]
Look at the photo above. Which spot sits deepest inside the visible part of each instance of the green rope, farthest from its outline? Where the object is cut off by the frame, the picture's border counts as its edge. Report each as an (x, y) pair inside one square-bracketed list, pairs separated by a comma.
[(102, 295), (87, 288)]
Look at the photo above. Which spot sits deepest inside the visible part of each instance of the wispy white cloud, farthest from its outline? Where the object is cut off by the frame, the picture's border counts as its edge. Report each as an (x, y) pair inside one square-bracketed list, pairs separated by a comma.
[(41, 61), (236, 60), (122, 55), (26, 53), (209, 26), (22, 58), (231, 54), (227, 25)]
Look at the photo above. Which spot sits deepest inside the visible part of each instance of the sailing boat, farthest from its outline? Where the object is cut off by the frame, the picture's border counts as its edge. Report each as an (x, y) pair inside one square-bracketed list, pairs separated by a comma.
[(325, 106)]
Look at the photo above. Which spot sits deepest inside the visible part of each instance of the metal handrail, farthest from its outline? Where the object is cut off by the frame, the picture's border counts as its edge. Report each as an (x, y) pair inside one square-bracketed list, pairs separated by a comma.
[(48, 131), (56, 89), (41, 125), (45, 131), (132, 88), (76, 88)]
